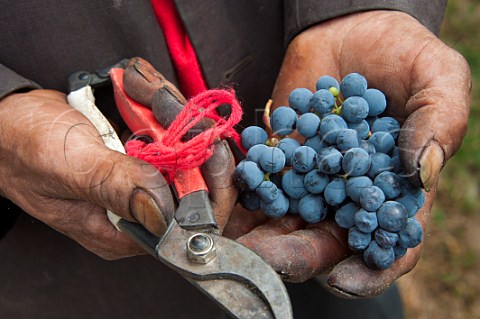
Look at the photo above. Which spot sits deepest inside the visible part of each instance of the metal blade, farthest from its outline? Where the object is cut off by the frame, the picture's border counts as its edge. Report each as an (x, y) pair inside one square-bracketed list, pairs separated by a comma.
[(236, 278)]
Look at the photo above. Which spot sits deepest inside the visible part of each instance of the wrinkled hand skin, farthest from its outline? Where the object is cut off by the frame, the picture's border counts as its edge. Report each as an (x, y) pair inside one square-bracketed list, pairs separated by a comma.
[(55, 166), (427, 85)]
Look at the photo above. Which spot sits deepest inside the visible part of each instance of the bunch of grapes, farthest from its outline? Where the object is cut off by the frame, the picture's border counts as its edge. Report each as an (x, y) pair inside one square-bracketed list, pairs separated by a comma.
[(348, 165)]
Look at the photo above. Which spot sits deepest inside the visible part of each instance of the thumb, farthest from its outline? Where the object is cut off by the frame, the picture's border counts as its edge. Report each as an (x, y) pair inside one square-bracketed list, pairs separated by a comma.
[(438, 114), (127, 186)]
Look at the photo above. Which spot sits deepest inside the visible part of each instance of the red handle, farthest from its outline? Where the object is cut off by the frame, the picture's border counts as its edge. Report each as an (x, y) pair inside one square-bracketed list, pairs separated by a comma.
[(141, 121)]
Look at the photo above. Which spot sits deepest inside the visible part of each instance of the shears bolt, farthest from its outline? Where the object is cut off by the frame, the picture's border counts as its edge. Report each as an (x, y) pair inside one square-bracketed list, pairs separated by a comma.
[(201, 248)]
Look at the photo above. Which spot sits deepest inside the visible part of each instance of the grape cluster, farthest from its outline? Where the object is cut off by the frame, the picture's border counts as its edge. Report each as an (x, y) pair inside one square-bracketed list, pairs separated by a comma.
[(348, 165)]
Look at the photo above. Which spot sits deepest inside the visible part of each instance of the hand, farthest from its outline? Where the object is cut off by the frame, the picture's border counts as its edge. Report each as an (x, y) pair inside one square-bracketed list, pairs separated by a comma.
[(55, 166), (148, 87), (427, 85)]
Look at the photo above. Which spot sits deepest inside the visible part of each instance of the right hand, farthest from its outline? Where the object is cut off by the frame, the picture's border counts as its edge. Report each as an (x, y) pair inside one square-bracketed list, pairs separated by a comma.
[(55, 166)]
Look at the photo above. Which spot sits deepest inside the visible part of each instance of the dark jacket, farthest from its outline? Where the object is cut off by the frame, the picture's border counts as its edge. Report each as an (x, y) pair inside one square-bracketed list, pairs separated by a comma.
[(241, 43)]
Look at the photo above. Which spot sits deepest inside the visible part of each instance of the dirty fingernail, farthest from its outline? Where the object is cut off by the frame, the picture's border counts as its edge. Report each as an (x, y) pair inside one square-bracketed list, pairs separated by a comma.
[(146, 211), (431, 163)]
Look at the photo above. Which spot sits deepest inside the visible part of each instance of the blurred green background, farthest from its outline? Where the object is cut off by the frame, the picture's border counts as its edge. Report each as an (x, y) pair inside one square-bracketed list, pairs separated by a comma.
[(446, 282)]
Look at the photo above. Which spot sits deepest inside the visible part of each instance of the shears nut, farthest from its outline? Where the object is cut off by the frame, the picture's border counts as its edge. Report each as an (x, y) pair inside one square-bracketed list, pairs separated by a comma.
[(201, 248)]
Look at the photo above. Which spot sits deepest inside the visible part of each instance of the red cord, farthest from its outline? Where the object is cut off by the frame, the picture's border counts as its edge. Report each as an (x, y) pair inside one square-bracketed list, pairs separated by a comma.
[(181, 50), (171, 154)]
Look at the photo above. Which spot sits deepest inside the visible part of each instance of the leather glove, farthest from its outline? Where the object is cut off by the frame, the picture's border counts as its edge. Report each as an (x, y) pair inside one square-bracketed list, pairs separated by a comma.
[(428, 89)]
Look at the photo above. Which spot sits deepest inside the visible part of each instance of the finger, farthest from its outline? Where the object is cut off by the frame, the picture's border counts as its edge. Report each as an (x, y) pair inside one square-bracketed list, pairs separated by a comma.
[(427, 85), (295, 253), (217, 172), (242, 221), (351, 278), (439, 109), (146, 85), (142, 81), (274, 227), (61, 155), (125, 185), (166, 103), (88, 225)]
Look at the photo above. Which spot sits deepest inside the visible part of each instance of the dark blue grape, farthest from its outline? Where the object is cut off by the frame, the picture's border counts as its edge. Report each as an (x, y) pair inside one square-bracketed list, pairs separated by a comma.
[(354, 109), (344, 216), (347, 139), (326, 82), (288, 146), (356, 162), (362, 128), (420, 197), (255, 152), (276, 178), (409, 189), (316, 143), (399, 251), (411, 235), (392, 216), (410, 204), (371, 198), (272, 160), (322, 102), (382, 141), (315, 181), (292, 184), (312, 208), (370, 120), (299, 100), (365, 221), (253, 135), (353, 84), (358, 240), (304, 159), (267, 191), (330, 126), (380, 163), (385, 239), (293, 205), (247, 175), (367, 147), (355, 185), (283, 121), (329, 160), (249, 200), (394, 152), (335, 192), (386, 124), (308, 124), (376, 101), (276, 209), (389, 183), (377, 257), (397, 167)]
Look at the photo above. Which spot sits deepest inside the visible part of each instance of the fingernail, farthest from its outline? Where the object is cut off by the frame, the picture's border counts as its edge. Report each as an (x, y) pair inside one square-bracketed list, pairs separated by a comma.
[(431, 163), (146, 211)]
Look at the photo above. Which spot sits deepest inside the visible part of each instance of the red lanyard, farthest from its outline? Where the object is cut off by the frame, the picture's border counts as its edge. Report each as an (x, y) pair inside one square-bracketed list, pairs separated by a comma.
[(183, 55)]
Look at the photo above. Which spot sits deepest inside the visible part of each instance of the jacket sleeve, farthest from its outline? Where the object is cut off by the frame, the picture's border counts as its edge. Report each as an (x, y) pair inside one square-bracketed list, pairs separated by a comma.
[(11, 82), (301, 14)]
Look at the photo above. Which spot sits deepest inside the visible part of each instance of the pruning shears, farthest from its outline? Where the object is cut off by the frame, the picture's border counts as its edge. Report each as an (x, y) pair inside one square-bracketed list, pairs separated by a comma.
[(236, 278)]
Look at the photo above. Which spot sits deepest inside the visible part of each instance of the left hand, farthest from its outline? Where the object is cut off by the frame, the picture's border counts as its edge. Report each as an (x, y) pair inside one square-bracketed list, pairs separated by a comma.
[(427, 85)]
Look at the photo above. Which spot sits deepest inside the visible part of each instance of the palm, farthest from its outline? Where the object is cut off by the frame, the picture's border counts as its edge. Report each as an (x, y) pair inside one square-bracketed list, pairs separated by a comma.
[(416, 71)]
